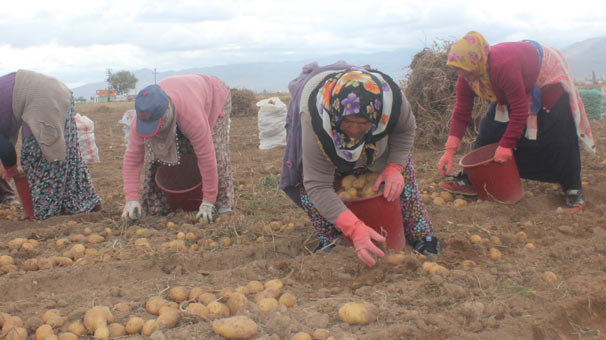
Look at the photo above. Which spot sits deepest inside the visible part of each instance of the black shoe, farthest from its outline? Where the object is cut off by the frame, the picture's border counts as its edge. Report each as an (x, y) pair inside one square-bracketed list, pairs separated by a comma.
[(429, 246), (574, 200)]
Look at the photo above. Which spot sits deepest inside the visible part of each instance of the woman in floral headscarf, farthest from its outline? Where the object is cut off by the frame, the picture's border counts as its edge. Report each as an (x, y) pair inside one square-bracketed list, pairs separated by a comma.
[(346, 120), (535, 114)]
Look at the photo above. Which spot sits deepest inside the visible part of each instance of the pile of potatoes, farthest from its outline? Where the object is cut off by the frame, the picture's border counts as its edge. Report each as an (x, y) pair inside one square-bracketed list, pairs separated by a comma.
[(353, 186)]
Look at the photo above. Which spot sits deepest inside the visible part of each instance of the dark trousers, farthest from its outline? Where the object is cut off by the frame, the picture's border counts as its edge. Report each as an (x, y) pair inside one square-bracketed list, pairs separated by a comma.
[(553, 157)]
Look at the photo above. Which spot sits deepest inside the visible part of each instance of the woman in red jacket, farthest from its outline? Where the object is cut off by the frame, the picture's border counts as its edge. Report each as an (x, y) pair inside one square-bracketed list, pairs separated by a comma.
[(535, 114)]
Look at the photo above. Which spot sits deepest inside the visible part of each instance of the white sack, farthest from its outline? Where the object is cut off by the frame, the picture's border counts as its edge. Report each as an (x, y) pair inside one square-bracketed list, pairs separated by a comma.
[(271, 119), (86, 138), (127, 119)]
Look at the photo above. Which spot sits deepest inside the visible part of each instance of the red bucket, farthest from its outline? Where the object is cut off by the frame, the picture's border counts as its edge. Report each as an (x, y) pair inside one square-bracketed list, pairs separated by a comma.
[(382, 216), (24, 196), (493, 181), (181, 184)]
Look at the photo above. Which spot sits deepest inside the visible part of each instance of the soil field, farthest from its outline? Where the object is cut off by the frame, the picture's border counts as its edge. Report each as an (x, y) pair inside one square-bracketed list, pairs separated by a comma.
[(507, 298)]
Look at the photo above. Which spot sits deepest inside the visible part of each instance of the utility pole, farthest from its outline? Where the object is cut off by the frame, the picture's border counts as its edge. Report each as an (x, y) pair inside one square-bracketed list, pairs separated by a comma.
[(155, 73)]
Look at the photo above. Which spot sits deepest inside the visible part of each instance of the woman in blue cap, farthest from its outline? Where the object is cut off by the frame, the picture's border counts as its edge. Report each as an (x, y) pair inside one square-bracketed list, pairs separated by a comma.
[(181, 115)]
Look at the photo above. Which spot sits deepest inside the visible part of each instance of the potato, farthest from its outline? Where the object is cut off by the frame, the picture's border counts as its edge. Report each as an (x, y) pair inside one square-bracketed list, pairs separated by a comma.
[(320, 334), (61, 261), (459, 202), (96, 317), (521, 236), (206, 298), (77, 327), (31, 265), (446, 196), (434, 268), (236, 302), (347, 181), (102, 332), (217, 308), (149, 327), (154, 303), (44, 263), (439, 201), (76, 237), (16, 333), (8, 268), (359, 183), (178, 293), (116, 330), (16, 243), (122, 307), (196, 291), (495, 254), (288, 299), (56, 321), (467, 264), (77, 251), (371, 177), (236, 327), (301, 336), (355, 313), (476, 239), (529, 246), (426, 198), (95, 238), (6, 259), (268, 293), (395, 259), (169, 317), (267, 304), (60, 242), (50, 313), (241, 290), (44, 331), (142, 244), (277, 284), (197, 309), (495, 240), (134, 325), (11, 322), (254, 287), (67, 336), (180, 235), (550, 277), (225, 293), (353, 192), (344, 195)]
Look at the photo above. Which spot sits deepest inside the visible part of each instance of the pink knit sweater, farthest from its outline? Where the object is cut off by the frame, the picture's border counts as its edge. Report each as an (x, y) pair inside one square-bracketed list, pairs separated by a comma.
[(198, 100)]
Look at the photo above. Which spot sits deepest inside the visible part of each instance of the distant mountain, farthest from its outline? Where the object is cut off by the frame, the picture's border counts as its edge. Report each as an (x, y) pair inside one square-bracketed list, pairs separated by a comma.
[(269, 76), (586, 57)]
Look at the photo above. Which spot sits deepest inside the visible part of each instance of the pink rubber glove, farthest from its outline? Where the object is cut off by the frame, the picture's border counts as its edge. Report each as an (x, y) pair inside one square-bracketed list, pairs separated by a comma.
[(445, 163), (394, 181), (502, 154), (10, 172), (361, 236)]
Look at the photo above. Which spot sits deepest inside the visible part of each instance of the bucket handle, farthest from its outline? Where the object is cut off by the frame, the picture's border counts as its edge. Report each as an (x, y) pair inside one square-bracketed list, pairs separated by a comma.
[(492, 196)]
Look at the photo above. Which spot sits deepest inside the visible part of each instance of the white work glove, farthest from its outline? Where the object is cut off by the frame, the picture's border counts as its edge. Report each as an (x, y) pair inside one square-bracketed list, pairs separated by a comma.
[(131, 211), (207, 212)]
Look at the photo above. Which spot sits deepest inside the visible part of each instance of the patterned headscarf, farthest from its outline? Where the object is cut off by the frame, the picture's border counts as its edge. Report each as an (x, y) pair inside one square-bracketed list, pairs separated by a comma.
[(470, 54), (356, 91)]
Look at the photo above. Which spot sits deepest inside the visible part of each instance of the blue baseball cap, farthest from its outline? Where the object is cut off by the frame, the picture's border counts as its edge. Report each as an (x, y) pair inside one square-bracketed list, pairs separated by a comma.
[(151, 104)]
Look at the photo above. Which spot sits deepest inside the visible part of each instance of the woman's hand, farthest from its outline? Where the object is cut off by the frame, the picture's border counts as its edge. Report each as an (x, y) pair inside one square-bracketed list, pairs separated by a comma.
[(502, 154), (11, 171), (361, 236), (394, 181), (445, 163), (131, 211), (207, 212)]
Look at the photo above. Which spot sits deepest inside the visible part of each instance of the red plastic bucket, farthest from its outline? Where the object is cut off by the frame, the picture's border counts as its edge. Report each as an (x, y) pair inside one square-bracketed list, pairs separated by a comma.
[(181, 184), (24, 196), (493, 181), (382, 216)]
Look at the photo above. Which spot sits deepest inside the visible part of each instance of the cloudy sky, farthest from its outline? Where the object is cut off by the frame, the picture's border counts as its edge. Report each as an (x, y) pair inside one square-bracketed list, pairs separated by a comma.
[(77, 41)]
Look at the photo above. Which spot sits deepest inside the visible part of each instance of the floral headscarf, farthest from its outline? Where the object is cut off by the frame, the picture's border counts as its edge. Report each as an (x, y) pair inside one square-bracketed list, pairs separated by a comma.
[(470, 54), (356, 91)]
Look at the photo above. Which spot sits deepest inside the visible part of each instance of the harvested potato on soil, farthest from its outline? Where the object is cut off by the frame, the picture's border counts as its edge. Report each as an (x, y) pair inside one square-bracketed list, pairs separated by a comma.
[(16, 333), (521, 236), (476, 239), (97, 317), (168, 317), (44, 331), (277, 284), (206, 298), (550, 277), (11, 322), (67, 336), (197, 309), (77, 327), (154, 303), (217, 308), (530, 246), (320, 334), (495, 254), (149, 327), (6, 259), (434, 268), (288, 299), (116, 330), (301, 336), (122, 307), (459, 202), (236, 302), (395, 259), (267, 305), (467, 264), (134, 325), (355, 313), (178, 294), (236, 327)]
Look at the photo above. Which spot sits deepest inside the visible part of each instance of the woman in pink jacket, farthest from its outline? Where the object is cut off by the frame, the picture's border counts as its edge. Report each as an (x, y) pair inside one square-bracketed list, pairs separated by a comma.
[(182, 115), (535, 114)]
